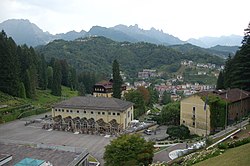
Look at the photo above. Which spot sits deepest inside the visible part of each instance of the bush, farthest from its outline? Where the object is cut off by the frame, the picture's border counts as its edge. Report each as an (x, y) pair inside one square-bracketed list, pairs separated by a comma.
[(234, 144), (238, 143), (181, 132), (223, 146)]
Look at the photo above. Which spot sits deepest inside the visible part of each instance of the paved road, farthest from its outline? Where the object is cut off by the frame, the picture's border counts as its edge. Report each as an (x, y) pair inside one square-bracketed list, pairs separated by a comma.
[(229, 129), (164, 155), (16, 132)]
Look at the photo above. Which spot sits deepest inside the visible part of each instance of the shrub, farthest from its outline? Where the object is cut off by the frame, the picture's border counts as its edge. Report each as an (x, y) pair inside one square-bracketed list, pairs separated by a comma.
[(238, 143), (223, 146), (181, 132), (234, 144)]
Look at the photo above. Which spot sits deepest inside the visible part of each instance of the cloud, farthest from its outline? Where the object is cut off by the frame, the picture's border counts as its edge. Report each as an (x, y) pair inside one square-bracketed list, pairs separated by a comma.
[(181, 18)]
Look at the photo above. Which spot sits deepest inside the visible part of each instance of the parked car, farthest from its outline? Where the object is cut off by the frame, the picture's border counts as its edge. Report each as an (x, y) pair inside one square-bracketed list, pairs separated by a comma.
[(148, 132)]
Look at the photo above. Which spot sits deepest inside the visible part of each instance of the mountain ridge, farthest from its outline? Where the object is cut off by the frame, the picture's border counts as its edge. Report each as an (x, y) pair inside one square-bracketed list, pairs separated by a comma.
[(25, 32)]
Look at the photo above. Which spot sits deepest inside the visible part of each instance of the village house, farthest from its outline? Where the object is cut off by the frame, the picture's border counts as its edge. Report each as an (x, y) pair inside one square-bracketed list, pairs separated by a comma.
[(105, 89), (197, 117)]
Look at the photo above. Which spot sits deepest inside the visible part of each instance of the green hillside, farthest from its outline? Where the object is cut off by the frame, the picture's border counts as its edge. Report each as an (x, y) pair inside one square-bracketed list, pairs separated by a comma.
[(97, 53), (12, 108), (232, 157)]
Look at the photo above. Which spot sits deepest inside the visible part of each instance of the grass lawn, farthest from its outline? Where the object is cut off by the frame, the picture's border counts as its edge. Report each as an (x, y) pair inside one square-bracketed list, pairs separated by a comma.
[(12, 108), (235, 156), (45, 99)]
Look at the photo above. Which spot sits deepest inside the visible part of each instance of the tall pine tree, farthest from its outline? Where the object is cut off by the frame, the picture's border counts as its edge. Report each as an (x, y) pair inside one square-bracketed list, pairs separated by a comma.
[(42, 75), (50, 76), (228, 72), (220, 81), (117, 80), (57, 79), (65, 72), (72, 79)]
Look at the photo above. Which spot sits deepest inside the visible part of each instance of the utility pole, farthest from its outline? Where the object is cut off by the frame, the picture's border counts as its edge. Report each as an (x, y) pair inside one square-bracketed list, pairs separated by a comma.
[(226, 115), (240, 105), (205, 109)]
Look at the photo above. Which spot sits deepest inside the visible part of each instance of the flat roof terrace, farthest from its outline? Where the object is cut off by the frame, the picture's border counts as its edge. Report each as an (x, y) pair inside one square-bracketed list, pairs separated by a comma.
[(19, 152)]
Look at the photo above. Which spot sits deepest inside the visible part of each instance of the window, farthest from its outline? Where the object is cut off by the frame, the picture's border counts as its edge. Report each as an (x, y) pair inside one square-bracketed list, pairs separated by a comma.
[(193, 123), (118, 114), (109, 113), (62, 110), (55, 109), (99, 113), (193, 110), (183, 121), (77, 111), (67, 110), (71, 111), (128, 113), (84, 112), (59, 110), (92, 112), (103, 113), (113, 113)]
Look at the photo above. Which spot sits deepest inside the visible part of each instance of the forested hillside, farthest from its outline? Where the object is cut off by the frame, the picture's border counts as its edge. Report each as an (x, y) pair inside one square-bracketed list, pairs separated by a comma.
[(23, 71), (237, 68), (97, 53)]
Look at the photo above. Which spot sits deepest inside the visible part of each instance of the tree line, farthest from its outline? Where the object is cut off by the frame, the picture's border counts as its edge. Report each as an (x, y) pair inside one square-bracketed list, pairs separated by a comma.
[(236, 73), (23, 70)]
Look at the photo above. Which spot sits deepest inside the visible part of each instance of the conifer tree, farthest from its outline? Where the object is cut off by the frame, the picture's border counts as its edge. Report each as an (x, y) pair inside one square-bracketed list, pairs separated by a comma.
[(81, 90), (65, 72), (117, 80), (22, 92), (237, 69), (57, 79), (228, 73), (42, 76), (33, 80), (72, 79), (220, 81), (50, 76), (27, 83)]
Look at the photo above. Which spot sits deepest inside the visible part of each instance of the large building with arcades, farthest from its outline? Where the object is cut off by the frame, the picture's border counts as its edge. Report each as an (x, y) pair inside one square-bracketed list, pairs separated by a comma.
[(89, 114)]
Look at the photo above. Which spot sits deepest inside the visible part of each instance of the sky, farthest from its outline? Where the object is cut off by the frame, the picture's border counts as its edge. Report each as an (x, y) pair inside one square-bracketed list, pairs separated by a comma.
[(182, 18)]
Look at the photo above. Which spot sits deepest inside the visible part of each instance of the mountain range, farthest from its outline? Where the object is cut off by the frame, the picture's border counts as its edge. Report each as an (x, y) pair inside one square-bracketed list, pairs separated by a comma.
[(25, 32)]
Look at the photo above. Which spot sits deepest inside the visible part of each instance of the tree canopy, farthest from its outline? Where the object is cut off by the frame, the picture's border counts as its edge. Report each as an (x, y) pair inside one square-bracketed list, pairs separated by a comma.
[(129, 150), (96, 54), (23, 71), (181, 132), (170, 114), (237, 69), (117, 80)]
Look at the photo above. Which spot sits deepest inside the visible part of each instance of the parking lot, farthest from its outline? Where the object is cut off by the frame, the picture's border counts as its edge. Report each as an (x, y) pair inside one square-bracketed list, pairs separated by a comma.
[(156, 134), (17, 132)]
